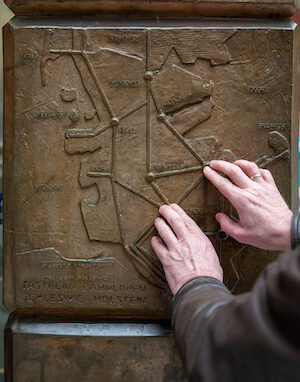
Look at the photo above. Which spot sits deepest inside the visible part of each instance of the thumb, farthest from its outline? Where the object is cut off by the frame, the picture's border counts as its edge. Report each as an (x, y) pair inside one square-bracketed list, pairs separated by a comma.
[(231, 227)]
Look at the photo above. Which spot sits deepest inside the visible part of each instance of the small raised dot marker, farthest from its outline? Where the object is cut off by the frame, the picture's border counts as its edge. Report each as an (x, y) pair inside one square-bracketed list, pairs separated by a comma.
[(150, 177), (148, 76), (161, 117), (114, 122), (74, 116)]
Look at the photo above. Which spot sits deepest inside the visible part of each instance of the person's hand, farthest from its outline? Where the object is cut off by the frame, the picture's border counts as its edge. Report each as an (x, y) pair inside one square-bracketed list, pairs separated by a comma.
[(186, 252), (264, 217)]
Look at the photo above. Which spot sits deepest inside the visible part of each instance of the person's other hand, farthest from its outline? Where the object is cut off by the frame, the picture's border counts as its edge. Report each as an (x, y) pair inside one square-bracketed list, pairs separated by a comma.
[(264, 217), (185, 251)]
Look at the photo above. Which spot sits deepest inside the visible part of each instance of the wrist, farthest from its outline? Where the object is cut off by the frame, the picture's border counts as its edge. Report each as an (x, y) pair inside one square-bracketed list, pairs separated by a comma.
[(218, 275), (285, 243), (178, 284)]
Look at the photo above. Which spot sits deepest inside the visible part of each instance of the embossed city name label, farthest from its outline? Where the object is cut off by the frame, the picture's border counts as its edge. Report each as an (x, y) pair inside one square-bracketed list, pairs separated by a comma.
[(119, 38), (166, 166), (51, 187), (176, 101), (28, 58), (50, 114), (128, 84), (128, 129), (257, 90), (272, 125)]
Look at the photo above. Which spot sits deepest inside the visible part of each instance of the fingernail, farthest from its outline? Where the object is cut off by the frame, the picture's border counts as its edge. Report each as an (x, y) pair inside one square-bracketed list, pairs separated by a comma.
[(174, 206), (212, 162)]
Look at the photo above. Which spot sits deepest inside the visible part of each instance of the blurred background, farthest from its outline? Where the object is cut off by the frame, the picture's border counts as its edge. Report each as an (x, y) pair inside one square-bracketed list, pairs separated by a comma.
[(5, 16)]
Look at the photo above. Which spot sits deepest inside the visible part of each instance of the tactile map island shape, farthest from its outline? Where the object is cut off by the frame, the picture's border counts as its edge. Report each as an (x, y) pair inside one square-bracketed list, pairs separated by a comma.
[(111, 124)]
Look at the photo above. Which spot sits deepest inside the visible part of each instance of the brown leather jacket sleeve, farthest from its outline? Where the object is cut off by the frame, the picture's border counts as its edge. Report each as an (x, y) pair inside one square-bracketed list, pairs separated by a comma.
[(251, 337)]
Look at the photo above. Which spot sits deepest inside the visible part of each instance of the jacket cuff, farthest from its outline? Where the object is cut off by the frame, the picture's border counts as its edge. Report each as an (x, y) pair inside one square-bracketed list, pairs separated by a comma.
[(295, 230), (197, 282)]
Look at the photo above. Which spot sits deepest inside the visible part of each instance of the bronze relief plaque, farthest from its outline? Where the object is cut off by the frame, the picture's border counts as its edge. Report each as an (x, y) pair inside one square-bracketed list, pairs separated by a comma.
[(104, 123)]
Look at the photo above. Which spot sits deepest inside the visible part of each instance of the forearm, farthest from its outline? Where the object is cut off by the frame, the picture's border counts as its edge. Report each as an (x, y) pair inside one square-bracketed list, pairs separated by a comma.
[(250, 337), (193, 309)]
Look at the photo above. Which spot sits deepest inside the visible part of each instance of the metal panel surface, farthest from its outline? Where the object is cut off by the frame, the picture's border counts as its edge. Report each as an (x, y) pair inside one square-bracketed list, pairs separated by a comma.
[(105, 122)]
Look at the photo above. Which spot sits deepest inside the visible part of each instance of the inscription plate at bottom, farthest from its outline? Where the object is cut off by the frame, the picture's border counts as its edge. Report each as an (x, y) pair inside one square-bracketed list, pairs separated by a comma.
[(97, 137)]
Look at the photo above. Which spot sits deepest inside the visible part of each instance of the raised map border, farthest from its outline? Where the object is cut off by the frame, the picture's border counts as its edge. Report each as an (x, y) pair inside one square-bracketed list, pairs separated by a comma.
[(221, 8)]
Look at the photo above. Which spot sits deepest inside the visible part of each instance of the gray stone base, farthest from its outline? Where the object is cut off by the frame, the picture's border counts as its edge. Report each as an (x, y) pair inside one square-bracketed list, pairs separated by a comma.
[(127, 352)]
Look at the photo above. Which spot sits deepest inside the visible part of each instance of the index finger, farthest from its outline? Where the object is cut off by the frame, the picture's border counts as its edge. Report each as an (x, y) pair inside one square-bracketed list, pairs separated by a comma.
[(189, 222), (233, 171), (175, 221), (228, 189)]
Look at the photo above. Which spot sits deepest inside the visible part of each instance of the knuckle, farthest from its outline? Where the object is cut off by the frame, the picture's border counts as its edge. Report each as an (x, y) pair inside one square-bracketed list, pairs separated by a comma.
[(238, 161), (241, 162), (238, 236), (222, 186), (233, 170), (157, 223), (174, 220), (249, 197), (190, 222), (267, 174), (186, 250), (247, 162), (161, 254), (253, 167), (244, 204), (191, 225)]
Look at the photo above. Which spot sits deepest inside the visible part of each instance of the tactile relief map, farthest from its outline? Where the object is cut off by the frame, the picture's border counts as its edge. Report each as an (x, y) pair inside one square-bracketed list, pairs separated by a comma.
[(112, 123)]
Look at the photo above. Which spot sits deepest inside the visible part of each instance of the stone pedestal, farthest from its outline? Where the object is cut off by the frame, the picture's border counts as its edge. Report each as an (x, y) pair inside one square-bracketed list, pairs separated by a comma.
[(47, 351)]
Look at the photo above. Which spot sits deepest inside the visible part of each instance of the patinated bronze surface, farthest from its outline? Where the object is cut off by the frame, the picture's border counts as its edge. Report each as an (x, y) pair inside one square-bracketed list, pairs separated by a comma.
[(46, 352), (106, 122), (228, 8)]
